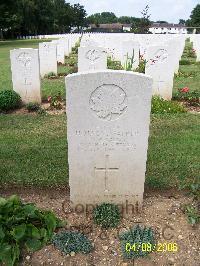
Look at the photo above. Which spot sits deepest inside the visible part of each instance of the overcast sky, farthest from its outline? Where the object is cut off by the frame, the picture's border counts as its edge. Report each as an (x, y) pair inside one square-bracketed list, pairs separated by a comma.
[(168, 10)]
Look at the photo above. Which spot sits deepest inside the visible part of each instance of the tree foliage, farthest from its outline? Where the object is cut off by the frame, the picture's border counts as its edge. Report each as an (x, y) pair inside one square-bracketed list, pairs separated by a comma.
[(33, 17), (102, 18), (142, 26), (194, 20), (139, 25)]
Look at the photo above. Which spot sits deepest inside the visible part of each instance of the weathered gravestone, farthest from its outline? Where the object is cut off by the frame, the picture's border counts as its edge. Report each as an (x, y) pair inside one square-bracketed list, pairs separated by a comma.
[(60, 50), (108, 128), (26, 74), (91, 58), (48, 58), (161, 68)]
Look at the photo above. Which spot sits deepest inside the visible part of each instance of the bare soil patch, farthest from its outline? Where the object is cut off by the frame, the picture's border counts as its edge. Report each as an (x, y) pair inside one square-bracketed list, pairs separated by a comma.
[(162, 211)]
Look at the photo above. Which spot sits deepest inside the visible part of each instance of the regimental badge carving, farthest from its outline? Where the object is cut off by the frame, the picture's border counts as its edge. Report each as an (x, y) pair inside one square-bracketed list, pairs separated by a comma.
[(24, 59), (160, 56), (93, 55), (108, 101)]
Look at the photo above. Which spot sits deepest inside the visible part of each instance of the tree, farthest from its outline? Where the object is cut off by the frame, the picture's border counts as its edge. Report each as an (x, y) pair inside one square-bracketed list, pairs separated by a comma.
[(182, 21), (33, 17), (10, 18), (79, 16), (161, 21), (194, 20), (102, 18), (143, 24)]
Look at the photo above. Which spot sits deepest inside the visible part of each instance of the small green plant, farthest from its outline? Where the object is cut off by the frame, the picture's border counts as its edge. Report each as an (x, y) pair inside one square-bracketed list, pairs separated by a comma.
[(33, 107), (50, 75), (23, 226), (142, 65), (107, 215), (115, 65), (9, 100), (161, 106), (55, 101), (192, 214), (68, 241), (137, 242), (192, 188)]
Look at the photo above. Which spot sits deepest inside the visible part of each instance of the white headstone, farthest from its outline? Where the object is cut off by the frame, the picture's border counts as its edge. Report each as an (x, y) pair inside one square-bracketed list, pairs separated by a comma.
[(60, 51), (91, 58), (48, 58), (108, 128), (160, 67), (26, 74)]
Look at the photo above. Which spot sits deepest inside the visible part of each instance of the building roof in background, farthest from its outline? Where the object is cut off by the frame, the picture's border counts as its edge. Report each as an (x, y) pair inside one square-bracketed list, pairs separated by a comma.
[(167, 25), (110, 26)]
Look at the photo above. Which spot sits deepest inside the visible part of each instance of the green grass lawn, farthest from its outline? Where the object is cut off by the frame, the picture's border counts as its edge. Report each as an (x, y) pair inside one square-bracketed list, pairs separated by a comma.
[(34, 150)]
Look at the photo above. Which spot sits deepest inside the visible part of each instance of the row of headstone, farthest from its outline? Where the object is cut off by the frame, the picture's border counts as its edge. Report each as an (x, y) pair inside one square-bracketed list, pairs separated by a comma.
[(29, 65), (162, 55)]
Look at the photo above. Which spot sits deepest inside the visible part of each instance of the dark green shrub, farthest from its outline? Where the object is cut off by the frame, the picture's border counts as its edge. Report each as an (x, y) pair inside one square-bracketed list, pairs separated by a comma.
[(107, 215), (68, 241), (33, 107), (23, 226), (9, 100), (137, 242), (185, 62), (161, 106)]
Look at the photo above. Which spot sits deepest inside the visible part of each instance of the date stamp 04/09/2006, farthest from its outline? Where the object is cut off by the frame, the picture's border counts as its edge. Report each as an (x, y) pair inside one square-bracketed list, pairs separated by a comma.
[(148, 247)]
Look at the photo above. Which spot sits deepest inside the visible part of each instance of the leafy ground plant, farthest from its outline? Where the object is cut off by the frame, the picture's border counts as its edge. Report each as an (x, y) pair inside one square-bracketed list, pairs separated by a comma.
[(137, 242), (142, 65), (23, 226), (192, 214), (107, 215), (161, 106), (68, 242), (56, 101)]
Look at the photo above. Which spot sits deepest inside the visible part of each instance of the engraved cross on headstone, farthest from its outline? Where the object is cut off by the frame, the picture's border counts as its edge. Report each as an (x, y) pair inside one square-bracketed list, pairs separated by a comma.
[(106, 171), (159, 82), (24, 58)]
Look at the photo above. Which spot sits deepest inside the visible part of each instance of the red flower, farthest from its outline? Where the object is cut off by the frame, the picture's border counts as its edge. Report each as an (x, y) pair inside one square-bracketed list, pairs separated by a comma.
[(186, 89), (49, 99)]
